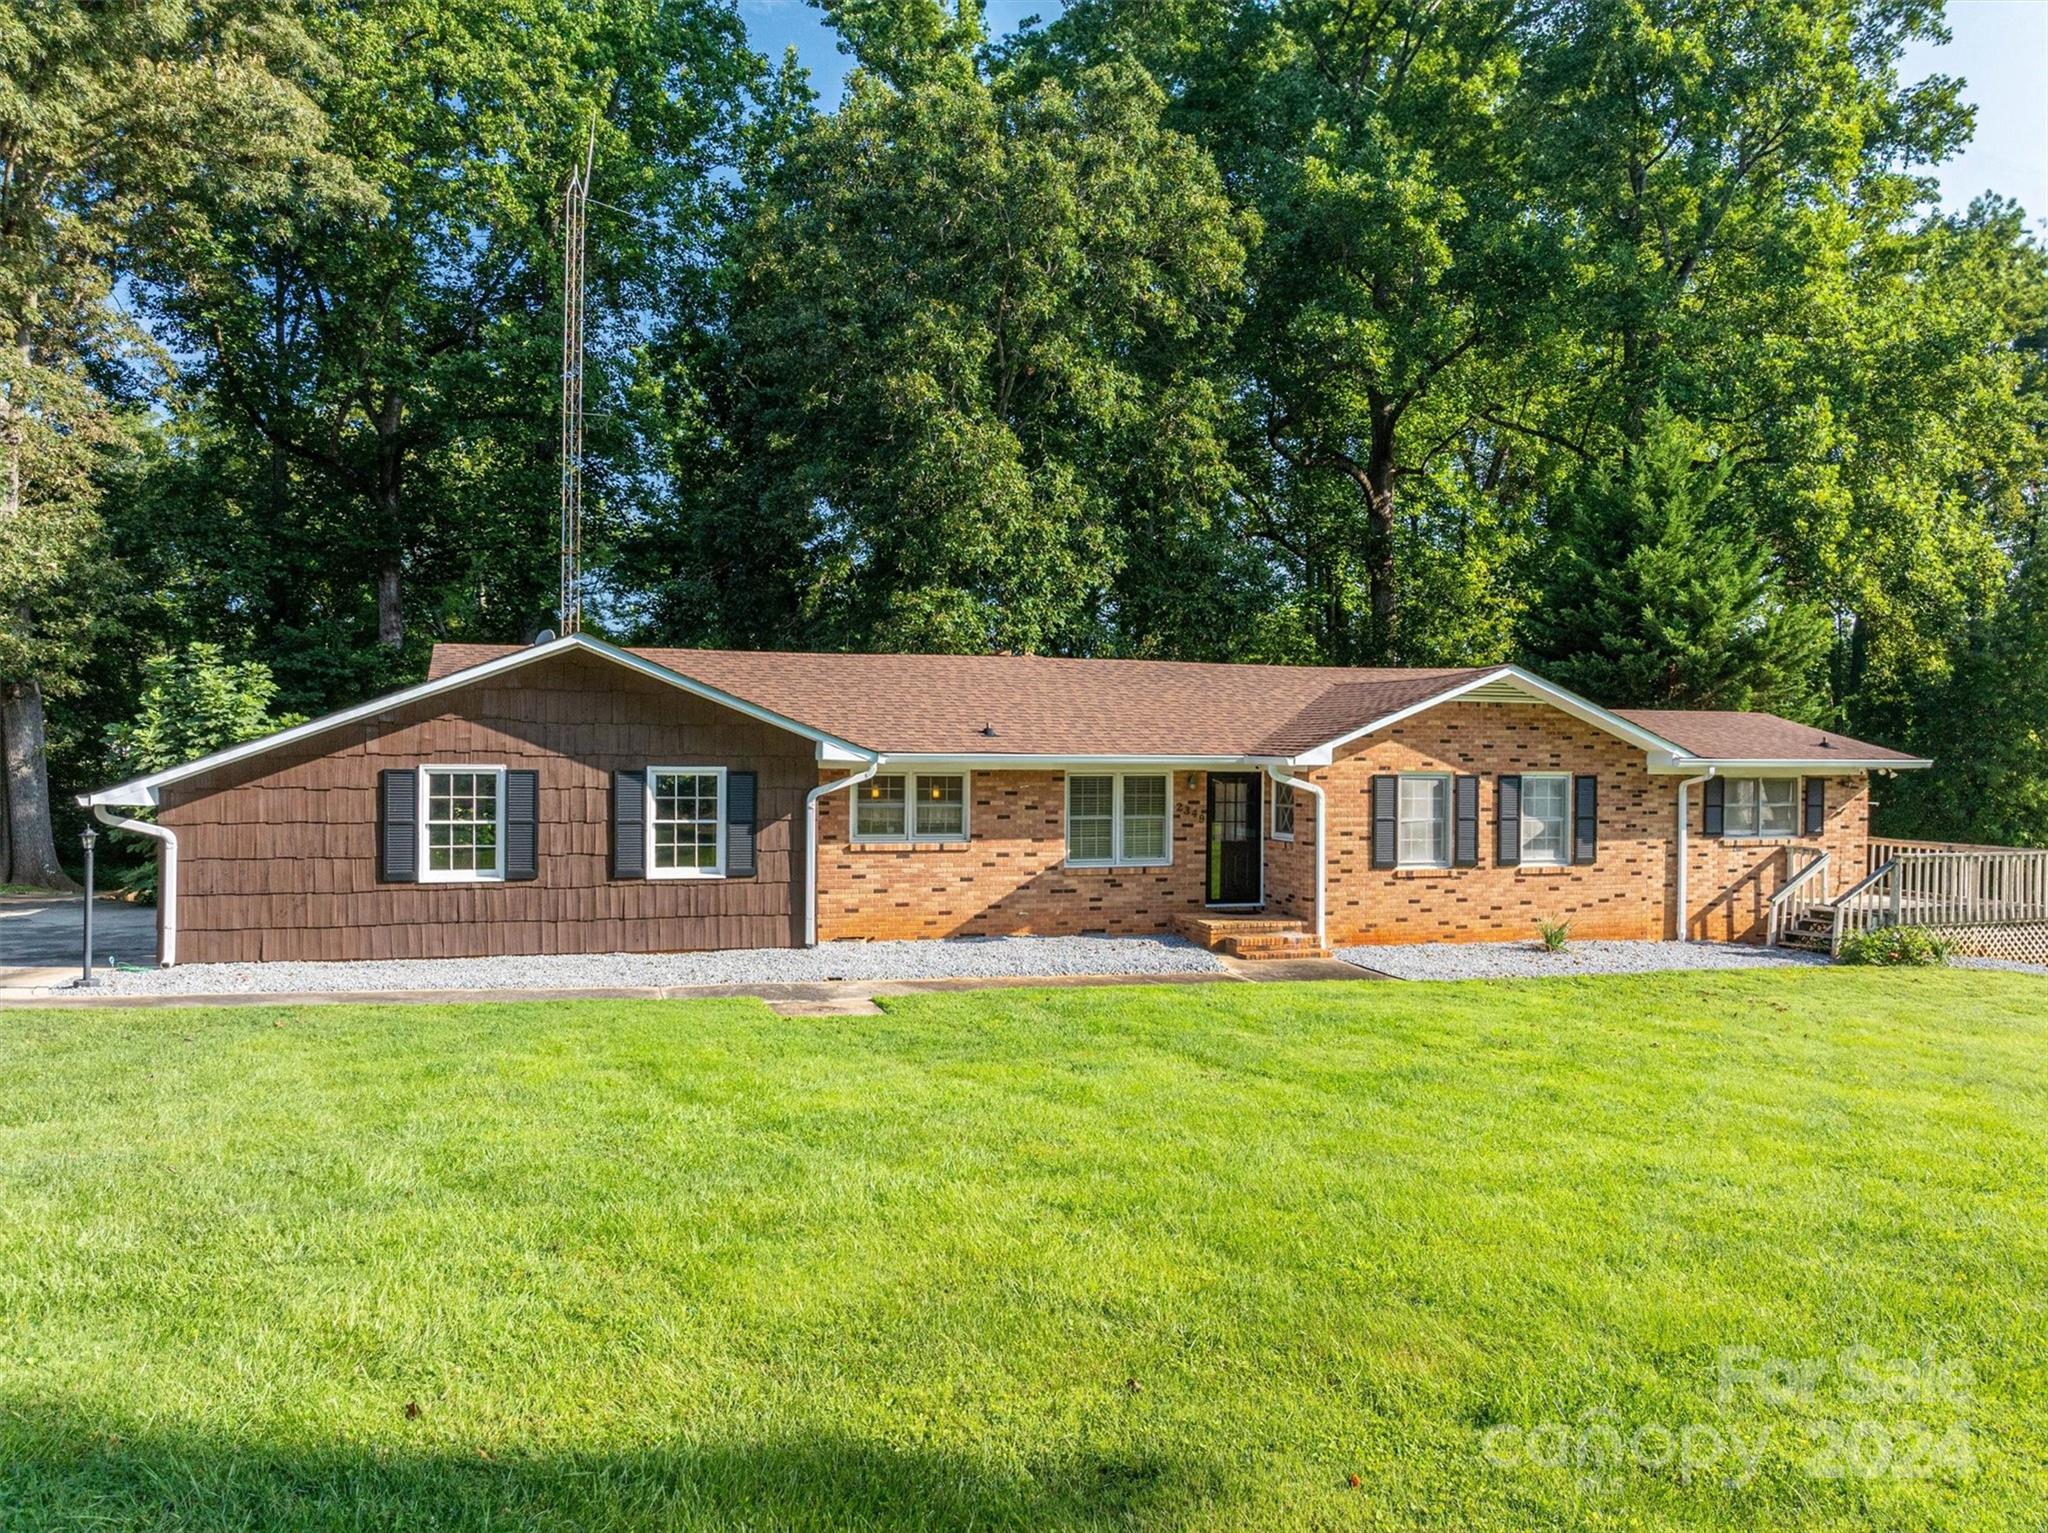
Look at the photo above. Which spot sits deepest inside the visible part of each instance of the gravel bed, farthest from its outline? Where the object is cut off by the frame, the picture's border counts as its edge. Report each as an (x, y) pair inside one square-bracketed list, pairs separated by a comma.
[(953, 958), (2010, 965), (1530, 960)]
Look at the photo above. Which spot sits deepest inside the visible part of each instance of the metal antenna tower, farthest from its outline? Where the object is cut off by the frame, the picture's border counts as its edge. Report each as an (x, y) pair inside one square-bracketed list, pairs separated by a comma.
[(575, 212)]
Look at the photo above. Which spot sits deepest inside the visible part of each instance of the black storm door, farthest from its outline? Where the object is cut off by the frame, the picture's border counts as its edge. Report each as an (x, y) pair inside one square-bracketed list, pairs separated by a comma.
[(1233, 838)]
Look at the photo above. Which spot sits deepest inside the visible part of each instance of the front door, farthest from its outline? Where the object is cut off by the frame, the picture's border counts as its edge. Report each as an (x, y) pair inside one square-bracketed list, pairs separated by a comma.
[(1234, 838)]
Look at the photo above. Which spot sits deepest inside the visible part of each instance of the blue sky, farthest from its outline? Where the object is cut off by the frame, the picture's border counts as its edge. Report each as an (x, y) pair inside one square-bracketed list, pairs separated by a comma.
[(2000, 48)]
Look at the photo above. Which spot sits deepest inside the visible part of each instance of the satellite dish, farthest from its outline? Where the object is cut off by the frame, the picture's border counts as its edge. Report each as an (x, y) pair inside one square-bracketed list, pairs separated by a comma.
[(545, 636)]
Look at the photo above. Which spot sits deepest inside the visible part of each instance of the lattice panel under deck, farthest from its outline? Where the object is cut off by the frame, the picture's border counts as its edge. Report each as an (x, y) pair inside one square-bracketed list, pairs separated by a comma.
[(2015, 944)]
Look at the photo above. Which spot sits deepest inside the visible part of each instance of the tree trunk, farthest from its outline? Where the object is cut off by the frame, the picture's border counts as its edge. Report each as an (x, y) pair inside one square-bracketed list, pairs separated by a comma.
[(1380, 572), (390, 510), (32, 836)]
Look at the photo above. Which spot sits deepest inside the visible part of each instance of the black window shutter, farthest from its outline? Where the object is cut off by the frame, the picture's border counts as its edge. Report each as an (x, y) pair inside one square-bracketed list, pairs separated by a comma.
[(629, 825), (1507, 850), (1816, 805), (398, 826), (739, 824), (1465, 798), (522, 825), (1711, 806), (1585, 818), (1386, 809)]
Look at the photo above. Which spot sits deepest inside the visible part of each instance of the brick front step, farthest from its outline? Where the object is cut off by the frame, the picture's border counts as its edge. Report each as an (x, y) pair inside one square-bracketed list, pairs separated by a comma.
[(1252, 937)]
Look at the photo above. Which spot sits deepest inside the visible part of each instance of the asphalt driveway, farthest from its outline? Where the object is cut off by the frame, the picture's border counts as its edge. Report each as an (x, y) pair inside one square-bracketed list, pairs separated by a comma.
[(37, 932)]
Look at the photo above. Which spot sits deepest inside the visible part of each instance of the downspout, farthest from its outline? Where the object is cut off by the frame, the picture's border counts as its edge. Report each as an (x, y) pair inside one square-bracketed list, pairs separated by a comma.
[(1303, 785), (811, 842), (167, 887), (1684, 818)]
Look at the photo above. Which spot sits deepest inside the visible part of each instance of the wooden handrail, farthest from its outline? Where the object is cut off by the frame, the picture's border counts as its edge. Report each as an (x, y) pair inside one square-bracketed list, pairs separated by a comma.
[(1784, 910), (1854, 912)]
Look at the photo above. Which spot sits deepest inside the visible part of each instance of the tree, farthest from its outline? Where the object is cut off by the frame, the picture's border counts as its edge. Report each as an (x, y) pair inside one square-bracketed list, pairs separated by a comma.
[(970, 386), (1659, 595), (377, 379), (111, 118)]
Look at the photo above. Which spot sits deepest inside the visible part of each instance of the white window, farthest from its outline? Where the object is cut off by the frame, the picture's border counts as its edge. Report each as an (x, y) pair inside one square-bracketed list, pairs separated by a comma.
[(1283, 811), (939, 811), (1546, 818), (879, 811), (462, 811), (930, 806), (685, 822), (1761, 806), (1425, 821), (1122, 820)]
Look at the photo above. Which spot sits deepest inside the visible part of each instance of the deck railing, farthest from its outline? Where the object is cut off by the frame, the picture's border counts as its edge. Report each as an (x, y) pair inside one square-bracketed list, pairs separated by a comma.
[(1805, 886), (1943, 883)]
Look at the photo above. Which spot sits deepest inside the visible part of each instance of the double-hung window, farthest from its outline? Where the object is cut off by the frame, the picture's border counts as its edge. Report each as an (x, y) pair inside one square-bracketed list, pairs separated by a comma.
[(1425, 821), (899, 806), (1119, 819), (685, 822), (1546, 819), (1761, 806), (462, 812), (1283, 811)]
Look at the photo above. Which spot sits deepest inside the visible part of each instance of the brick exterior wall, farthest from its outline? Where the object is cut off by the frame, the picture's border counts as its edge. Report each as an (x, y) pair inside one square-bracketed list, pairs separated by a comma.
[(1730, 880), (1011, 877)]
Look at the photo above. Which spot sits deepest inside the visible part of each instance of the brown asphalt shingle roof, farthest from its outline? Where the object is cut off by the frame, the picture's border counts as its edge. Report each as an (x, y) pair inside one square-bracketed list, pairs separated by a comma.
[(1716, 736), (1046, 706)]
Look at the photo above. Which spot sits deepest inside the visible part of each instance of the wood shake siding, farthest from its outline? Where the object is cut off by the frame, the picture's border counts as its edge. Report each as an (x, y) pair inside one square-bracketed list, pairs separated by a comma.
[(277, 854)]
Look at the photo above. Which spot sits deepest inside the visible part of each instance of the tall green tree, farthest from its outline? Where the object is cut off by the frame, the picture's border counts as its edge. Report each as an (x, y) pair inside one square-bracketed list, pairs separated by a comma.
[(972, 389), (377, 381), (1659, 593), (115, 121)]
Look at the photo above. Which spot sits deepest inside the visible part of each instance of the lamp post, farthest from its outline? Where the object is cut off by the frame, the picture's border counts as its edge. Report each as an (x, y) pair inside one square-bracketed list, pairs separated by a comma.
[(86, 838)]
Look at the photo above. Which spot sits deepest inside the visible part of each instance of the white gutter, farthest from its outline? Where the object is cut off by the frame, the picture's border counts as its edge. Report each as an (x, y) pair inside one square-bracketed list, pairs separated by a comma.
[(167, 886), (1303, 785), (1683, 818), (811, 841)]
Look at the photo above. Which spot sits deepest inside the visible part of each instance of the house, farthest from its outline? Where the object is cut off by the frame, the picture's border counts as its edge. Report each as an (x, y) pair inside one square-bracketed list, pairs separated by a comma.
[(575, 797)]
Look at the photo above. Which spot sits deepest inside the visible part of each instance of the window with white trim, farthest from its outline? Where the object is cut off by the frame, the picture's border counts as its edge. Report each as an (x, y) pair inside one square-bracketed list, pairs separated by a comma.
[(1425, 821), (685, 822), (939, 808), (1120, 819), (1546, 818), (1761, 806), (1283, 811), (462, 816), (898, 806)]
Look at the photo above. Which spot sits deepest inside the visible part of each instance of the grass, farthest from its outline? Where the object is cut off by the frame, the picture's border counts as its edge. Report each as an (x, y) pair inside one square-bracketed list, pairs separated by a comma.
[(1186, 1257)]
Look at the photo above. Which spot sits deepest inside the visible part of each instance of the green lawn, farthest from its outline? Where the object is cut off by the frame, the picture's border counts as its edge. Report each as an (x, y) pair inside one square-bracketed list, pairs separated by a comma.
[(1168, 1257)]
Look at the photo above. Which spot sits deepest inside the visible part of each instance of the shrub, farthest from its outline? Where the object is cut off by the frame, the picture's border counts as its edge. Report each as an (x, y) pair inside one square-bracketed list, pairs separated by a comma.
[(1896, 946), (1555, 934)]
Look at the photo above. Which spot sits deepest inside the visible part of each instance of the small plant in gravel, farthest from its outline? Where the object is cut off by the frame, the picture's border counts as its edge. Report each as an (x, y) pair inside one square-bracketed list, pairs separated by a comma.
[(1896, 947), (1555, 935)]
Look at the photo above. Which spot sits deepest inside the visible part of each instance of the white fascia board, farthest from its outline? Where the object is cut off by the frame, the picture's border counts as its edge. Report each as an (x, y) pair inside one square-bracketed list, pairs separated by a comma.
[(1803, 766), (1657, 747), (992, 762), (143, 790)]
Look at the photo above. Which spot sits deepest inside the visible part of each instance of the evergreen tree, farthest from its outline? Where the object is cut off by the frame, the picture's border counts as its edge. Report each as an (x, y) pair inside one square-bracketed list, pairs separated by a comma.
[(1659, 595)]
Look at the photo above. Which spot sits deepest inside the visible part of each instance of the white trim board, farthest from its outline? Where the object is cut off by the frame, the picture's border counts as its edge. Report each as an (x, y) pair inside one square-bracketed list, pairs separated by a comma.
[(143, 790)]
